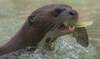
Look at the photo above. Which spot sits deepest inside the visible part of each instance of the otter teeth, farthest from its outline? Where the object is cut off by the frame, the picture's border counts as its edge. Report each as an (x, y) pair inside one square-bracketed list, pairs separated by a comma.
[(71, 27)]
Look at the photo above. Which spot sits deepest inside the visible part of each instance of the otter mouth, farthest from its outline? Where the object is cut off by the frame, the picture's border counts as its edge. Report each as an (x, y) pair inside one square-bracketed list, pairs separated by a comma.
[(66, 30)]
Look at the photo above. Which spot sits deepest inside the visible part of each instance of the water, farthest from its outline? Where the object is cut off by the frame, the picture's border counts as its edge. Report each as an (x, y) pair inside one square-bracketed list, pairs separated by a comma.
[(14, 12), (65, 48)]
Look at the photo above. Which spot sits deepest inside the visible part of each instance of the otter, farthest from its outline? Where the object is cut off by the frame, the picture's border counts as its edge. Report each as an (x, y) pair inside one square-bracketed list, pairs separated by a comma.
[(41, 25)]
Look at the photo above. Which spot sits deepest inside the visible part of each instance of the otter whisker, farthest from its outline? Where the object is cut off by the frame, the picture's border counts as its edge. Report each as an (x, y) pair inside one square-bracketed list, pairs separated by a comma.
[(57, 24)]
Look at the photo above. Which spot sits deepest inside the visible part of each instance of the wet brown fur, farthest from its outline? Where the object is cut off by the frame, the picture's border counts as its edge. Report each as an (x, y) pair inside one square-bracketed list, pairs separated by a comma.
[(33, 30)]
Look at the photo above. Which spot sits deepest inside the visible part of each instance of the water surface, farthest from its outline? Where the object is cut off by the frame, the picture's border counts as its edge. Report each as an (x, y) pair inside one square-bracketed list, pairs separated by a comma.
[(13, 13)]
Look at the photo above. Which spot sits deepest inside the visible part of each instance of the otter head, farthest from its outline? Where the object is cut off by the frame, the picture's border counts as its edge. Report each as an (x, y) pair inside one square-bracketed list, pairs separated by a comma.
[(66, 18), (60, 17), (54, 16)]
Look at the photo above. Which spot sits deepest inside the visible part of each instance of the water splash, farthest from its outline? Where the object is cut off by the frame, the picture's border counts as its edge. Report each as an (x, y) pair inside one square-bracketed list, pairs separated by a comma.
[(65, 47)]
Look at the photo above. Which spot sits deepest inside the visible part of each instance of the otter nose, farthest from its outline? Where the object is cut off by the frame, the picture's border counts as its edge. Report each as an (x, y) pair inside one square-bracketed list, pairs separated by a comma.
[(73, 12)]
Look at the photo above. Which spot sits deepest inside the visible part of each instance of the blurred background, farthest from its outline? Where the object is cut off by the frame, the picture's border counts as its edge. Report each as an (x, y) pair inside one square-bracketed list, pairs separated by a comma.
[(13, 13)]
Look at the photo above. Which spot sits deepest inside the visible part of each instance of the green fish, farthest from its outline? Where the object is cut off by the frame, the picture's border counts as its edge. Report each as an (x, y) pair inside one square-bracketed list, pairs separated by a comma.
[(81, 36), (80, 33)]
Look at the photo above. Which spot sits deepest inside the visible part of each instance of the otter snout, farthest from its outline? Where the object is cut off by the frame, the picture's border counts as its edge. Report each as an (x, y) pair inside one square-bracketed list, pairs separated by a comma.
[(72, 12)]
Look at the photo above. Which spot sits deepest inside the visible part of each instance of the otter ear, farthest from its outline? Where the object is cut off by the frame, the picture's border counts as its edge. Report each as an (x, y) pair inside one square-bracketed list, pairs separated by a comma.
[(31, 18)]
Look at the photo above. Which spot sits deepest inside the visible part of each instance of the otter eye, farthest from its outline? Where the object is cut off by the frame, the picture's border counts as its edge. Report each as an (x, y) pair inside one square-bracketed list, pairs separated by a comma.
[(58, 11)]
